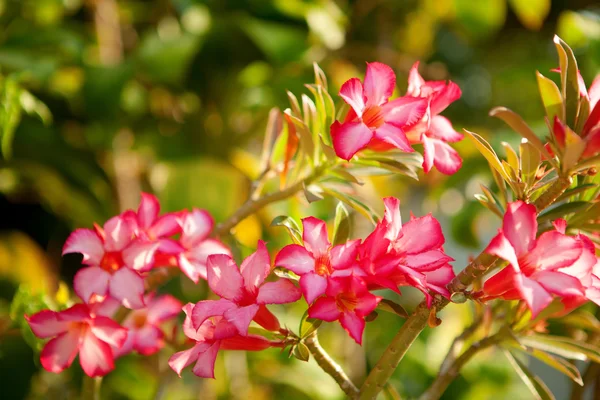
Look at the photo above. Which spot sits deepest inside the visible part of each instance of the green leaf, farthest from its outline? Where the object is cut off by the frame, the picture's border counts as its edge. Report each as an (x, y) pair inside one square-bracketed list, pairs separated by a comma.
[(530, 162), (551, 97), (488, 152), (274, 126), (533, 382), (563, 346), (581, 319), (295, 106), (563, 210), (569, 79), (306, 139), (10, 113), (511, 156), (531, 13), (575, 191), (341, 225), (392, 307), (308, 325), (291, 226), (301, 352), (557, 363), (285, 273), (352, 202), (311, 193)]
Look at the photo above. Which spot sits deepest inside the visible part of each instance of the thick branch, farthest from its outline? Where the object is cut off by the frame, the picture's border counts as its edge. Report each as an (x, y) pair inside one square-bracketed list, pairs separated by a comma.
[(328, 365)]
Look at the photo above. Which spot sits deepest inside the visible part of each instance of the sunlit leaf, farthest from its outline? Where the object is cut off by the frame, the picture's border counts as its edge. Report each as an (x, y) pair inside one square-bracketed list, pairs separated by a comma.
[(341, 225), (308, 325), (551, 97), (531, 13), (291, 226), (562, 346)]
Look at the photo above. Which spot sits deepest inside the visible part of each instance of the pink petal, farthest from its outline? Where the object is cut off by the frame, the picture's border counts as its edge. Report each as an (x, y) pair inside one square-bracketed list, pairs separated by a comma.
[(443, 98), (279, 292), (380, 81), (205, 367), (95, 356), (118, 234), (223, 329), (534, 294), (421, 234), (560, 225), (582, 268), (46, 323), (107, 308), (148, 210), (594, 92), (445, 158), (500, 283), (354, 325), (415, 81), (182, 359), (192, 269), (295, 258), (140, 255), (441, 128), (148, 340), (349, 138), (367, 302), (593, 143), (438, 279), (196, 227), (189, 329), (501, 247), (248, 343), (89, 281), (59, 353), (314, 235), (313, 286), (224, 278), (266, 319), (163, 308), (241, 317), (344, 255), (554, 250), (108, 331), (520, 226), (79, 312), (559, 284), (324, 308), (428, 260), (428, 153), (167, 225), (127, 286), (256, 267), (193, 263), (405, 111), (88, 243), (352, 93), (394, 136), (209, 308), (392, 217)]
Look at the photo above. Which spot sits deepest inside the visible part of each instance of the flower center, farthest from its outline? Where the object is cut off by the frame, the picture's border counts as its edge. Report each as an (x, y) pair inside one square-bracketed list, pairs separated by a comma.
[(139, 320), (323, 265), (112, 261), (346, 302), (373, 117)]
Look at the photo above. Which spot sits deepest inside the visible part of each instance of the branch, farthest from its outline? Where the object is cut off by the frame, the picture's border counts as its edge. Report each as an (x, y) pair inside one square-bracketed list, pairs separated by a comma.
[(328, 365)]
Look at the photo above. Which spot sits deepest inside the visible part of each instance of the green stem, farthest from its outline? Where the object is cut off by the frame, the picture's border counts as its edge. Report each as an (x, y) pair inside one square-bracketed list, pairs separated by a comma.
[(91, 388), (328, 365), (553, 192)]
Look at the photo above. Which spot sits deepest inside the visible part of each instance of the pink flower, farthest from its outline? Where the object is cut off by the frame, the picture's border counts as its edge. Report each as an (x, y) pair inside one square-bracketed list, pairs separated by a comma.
[(317, 259), (539, 268), (144, 325), (243, 290), (348, 300), (146, 222), (196, 244), (435, 131), (110, 258), (77, 330), (374, 121), (213, 334), (410, 254)]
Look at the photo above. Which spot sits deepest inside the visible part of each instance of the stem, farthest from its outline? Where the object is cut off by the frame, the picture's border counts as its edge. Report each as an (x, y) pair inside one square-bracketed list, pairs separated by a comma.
[(446, 376), (550, 195), (91, 388), (328, 365), (253, 205)]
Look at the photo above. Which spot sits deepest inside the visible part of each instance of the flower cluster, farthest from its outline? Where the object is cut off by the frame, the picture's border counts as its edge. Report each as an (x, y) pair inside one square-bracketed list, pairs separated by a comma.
[(379, 124), (553, 265), (337, 281)]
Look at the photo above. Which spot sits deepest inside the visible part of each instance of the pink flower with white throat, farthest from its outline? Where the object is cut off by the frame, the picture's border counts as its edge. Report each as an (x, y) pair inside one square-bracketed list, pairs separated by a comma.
[(77, 330), (107, 252), (435, 131), (244, 291), (373, 120), (145, 334), (317, 259)]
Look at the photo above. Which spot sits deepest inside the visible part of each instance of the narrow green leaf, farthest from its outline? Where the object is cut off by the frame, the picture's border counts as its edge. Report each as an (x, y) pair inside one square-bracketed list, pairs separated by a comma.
[(563, 346), (301, 352), (551, 97), (274, 126), (530, 162), (581, 319), (291, 226), (488, 152), (284, 273), (320, 78), (575, 191), (537, 387), (308, 325), (511, 156), (294, 104), (353, 202), (563, 210), (557, 363), (569, 80), (341, 225)]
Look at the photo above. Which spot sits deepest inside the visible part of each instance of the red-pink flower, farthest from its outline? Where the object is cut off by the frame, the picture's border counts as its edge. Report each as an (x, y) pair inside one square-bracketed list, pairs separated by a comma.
[(435, 131), (77, 330), (538, 268), (110, 257), (196, 244), (147, 224), (243, 290), (348, 300), (213, 334), (373, 121), (317, 259), (145, 334)]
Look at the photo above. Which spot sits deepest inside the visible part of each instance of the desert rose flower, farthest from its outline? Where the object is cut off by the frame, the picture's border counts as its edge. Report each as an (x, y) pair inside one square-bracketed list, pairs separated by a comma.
[(374, 120), (77, 330), (316, 260)]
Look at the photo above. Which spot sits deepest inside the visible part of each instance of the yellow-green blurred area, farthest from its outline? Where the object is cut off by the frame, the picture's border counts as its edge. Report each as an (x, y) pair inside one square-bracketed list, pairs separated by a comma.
[(102, 99)]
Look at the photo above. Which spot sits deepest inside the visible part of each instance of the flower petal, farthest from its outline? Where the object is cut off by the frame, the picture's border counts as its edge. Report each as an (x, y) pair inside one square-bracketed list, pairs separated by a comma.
[(162, 309), (324, 308), (554, 250), (209, 308), (421, 234), (205, 367), (534, 294), (415, 81), (405, 111), (295, 258), (148, 340), (148, 210), (441, 128), (118, 234), (394, 136), (343, 256), (167, 225), (314, 235), (380, 81), (445, 158), (46, 323), (520, 226), (241, 317), (256, 267), (248, 343), (127, 286), (449, 93), (559, 284), (313, 286), (182, 359), (501, 247), (95, 356), (140, 255), (88, 243), (500, 283), (352, 93), (354, 325), (427, 260), (278, 292), (108, 331), (59, 353), (349, 138), (266, 319), (366, 303), (224, 278), (196, 226), (89, 281)]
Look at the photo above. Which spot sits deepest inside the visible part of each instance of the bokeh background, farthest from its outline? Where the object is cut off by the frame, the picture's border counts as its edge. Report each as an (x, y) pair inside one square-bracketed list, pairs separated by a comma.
[(101, 99)]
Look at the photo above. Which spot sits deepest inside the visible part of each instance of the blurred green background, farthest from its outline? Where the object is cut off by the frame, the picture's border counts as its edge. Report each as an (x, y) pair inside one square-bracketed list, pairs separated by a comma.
[(100, 99)]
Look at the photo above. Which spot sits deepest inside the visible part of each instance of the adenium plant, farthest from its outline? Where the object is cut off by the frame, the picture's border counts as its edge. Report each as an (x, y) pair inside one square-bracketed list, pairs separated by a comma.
[(542, 265)]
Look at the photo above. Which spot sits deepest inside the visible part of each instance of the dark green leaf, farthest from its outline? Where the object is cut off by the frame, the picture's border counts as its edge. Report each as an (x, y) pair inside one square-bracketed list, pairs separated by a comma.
[(563, 210), (301, 352), (291, 226), (392, 307), (341, 225), (533, 382)]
